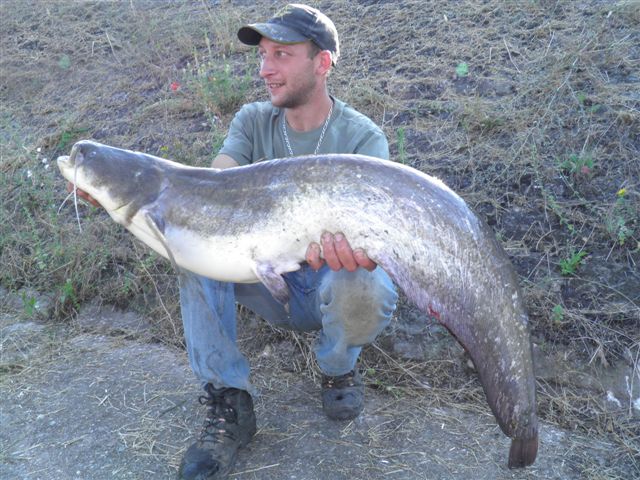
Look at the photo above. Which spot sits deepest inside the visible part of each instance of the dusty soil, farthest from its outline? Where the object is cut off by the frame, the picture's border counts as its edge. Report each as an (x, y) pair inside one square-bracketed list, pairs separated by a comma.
[(94, 401), (530, 110)]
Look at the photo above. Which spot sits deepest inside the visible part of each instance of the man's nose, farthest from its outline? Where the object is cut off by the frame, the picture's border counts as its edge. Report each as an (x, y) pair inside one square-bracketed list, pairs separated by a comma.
[(266, 68)]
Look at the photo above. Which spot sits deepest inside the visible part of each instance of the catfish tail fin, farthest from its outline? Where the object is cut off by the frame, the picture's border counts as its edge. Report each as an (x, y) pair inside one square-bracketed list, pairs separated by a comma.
[(523, 452)]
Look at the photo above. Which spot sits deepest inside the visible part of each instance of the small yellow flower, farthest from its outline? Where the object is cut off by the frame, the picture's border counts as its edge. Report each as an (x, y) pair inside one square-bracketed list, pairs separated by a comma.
[(621, 192)]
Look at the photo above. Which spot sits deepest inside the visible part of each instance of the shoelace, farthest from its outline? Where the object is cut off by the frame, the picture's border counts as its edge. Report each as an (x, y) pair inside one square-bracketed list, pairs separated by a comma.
[(219, 415), (342, 381)]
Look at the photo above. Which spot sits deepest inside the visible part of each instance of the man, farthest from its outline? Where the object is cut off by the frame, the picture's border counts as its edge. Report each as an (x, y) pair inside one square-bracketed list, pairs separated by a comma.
[(349, 305), (341, 293)]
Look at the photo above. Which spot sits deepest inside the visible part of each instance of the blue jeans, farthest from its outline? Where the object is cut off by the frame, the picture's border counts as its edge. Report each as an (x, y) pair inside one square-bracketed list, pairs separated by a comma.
[(349, 309)]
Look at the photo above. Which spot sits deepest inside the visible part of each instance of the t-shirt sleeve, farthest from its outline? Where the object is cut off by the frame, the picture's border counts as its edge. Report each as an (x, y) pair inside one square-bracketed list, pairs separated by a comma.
[(374, 144), (238, 143)]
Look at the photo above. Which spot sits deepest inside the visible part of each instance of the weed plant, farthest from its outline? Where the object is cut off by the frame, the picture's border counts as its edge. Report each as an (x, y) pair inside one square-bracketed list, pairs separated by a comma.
[(217, 87)]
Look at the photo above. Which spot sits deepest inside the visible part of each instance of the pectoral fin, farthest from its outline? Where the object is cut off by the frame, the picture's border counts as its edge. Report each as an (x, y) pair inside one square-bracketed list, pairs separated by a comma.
[(156, 225), (273, 281)]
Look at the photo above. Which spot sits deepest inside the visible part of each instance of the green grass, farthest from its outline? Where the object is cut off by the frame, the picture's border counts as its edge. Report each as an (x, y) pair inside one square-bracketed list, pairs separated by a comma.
[(557, 314), (402, 153), (623, 217), (578, 165), (217, 86), (569, 266)]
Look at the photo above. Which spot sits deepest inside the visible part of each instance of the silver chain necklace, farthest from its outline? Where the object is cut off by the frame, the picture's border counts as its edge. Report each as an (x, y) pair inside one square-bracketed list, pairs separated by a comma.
[(324, 129)]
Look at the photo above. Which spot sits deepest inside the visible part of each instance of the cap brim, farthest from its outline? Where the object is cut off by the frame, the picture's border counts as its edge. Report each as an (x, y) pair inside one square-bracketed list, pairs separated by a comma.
[(252, 34)]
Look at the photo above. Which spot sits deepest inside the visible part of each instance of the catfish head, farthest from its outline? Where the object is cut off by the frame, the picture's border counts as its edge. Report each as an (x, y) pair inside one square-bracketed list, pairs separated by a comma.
[(122, 181)]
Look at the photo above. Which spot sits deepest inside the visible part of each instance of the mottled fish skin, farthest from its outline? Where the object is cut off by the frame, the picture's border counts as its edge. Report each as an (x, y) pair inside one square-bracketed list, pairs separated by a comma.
[(231, 224)]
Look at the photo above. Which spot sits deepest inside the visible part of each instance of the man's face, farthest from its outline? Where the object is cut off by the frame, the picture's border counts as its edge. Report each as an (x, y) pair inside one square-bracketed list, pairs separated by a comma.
[(288, 72)]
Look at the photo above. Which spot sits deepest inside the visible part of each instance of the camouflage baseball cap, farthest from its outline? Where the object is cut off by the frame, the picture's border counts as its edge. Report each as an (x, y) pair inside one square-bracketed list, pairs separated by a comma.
[(295, 23)]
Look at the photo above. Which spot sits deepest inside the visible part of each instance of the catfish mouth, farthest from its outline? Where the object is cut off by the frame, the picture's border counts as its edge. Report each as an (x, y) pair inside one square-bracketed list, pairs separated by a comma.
[(69, 169), (68, 164), (64, 165)]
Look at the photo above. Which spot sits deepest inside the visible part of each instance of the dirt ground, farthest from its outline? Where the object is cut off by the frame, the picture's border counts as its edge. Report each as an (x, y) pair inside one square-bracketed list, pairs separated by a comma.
[(98, 401), (529, 110)]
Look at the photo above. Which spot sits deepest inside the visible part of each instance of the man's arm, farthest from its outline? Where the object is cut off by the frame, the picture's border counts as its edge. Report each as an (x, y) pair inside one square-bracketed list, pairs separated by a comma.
[(223, 161)]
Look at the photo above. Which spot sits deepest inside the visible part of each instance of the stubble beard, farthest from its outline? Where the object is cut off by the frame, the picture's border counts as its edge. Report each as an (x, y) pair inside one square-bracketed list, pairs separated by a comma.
[(299, 97)]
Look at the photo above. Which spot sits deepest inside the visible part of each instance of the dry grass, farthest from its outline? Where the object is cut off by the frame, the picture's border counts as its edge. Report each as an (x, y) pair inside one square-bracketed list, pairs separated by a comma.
[(552, 88)]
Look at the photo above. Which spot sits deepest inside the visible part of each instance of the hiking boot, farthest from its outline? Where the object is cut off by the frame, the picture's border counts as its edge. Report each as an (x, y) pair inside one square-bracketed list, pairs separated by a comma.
[(343, 396), (230, 424)]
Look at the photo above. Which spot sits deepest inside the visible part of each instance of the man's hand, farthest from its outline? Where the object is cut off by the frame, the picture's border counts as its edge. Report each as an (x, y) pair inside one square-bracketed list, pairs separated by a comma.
[(83, 194), (337, 254)]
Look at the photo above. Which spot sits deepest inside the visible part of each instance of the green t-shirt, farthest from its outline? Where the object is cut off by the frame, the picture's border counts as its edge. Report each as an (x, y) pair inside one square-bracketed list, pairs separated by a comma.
[(256, 134)]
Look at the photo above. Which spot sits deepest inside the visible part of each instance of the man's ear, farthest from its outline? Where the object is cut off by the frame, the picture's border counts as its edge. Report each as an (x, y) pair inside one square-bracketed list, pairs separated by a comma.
[(325, 62)]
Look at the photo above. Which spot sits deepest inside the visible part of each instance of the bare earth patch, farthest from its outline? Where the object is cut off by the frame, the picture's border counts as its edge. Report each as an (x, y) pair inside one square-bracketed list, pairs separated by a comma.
[(79, 404)]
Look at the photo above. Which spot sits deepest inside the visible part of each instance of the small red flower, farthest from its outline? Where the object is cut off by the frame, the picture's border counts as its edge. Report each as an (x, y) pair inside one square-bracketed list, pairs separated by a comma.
[(174, 86), (585, 170)]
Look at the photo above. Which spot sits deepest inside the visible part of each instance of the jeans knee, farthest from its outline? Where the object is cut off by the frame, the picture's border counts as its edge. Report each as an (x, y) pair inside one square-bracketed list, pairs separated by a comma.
[(361, 302), (374, 289)]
